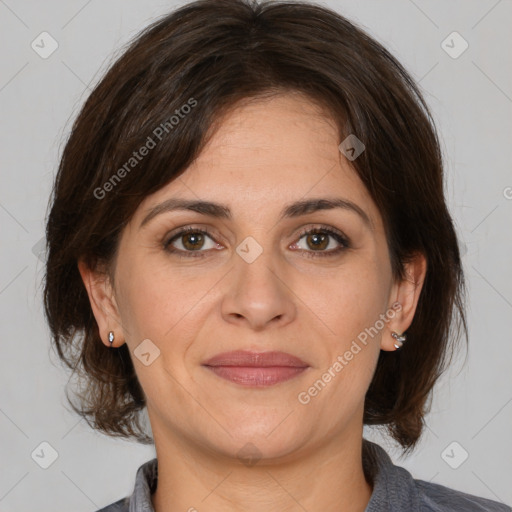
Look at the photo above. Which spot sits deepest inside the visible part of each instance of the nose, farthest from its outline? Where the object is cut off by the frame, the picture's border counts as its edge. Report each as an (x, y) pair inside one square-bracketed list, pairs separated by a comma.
[(259, 295)]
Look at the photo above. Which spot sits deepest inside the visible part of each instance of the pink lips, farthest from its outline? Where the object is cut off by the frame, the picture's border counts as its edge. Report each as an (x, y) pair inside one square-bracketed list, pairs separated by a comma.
[(256, 368)]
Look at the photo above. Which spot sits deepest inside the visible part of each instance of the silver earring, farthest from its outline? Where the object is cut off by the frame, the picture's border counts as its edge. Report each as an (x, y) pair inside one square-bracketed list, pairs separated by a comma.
[(111, 338), (400, 338)]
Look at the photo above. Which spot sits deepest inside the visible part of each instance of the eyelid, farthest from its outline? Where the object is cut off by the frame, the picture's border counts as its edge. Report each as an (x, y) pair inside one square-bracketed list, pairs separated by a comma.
[(207, 230), (323, 227)]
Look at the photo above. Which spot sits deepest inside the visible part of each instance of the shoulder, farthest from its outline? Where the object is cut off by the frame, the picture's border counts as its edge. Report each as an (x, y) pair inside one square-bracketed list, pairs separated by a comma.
[(145, 484), (121, 505), (438, 498), (395, 489)]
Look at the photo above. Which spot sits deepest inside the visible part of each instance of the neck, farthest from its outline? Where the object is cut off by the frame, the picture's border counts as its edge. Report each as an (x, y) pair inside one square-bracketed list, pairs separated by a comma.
[(326, 477)]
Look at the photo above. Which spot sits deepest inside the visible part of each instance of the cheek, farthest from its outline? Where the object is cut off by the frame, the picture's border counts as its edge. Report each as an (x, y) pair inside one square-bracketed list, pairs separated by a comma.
[(350, 299), (145, 300), (162, 305)]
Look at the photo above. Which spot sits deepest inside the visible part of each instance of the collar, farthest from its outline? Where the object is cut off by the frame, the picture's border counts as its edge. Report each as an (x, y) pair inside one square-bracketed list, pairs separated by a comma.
[(394, 488)]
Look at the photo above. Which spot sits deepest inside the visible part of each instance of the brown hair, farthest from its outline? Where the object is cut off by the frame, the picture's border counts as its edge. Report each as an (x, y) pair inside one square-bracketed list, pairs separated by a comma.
[(209, 55)]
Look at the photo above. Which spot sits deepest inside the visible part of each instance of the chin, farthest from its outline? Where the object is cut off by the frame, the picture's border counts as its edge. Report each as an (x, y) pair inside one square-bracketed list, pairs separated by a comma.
[(266, 439)]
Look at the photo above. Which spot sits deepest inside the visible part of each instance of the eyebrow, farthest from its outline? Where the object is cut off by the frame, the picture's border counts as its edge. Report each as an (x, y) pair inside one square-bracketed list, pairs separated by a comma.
[(292, 210)]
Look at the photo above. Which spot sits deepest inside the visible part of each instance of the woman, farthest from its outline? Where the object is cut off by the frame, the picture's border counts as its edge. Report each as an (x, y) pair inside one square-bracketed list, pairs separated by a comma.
[(248, 237)]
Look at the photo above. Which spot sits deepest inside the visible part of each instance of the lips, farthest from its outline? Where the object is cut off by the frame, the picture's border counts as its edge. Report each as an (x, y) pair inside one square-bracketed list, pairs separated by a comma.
[(256, 368), (255, 359)]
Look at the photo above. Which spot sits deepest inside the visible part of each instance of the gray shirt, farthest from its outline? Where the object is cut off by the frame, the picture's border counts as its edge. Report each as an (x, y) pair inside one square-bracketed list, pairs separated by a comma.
[(394, 490)]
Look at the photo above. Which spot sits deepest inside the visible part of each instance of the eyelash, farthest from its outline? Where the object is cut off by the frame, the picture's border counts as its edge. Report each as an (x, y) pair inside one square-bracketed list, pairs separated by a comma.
[(312, 254)]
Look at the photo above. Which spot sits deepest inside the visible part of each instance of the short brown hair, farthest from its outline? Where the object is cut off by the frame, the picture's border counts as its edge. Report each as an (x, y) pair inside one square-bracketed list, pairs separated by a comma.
[(217, 53)]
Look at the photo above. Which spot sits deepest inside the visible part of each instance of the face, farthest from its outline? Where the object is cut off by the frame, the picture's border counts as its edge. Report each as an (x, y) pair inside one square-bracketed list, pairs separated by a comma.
[(258, 276)]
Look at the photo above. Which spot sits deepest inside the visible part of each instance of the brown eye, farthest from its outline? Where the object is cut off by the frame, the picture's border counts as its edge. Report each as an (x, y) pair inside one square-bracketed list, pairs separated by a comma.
[(190, 240), (318, 240)]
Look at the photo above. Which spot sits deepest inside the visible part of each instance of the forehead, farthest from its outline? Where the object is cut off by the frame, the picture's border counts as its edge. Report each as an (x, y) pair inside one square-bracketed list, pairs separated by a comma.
[(268, 152), (288, 127)]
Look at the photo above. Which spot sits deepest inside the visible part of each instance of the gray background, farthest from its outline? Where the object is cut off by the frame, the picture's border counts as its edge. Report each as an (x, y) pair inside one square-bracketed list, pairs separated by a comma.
[(471, 97)]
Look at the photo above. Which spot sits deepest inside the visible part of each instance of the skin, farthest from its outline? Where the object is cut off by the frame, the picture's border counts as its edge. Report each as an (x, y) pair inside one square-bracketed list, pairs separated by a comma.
[(264, 155)]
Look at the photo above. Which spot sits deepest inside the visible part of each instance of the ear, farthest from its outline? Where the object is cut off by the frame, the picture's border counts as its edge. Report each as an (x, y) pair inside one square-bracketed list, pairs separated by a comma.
[(407, 294), (103, 304)]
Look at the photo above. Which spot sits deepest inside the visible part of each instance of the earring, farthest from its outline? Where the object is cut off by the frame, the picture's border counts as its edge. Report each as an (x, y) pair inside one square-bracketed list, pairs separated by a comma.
[(400, 338), (111, 338)]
